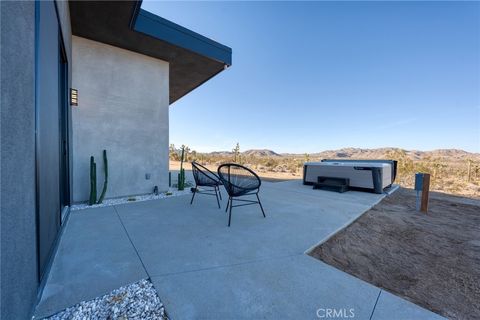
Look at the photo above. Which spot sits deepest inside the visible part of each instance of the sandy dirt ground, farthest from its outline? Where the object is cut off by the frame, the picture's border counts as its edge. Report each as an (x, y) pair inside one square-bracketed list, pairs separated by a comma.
[(267, 176), (432, 260)]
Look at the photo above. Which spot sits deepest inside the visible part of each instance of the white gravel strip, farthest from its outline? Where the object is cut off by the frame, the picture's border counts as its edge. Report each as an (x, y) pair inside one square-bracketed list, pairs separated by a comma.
[(115, 201), (134, 302)]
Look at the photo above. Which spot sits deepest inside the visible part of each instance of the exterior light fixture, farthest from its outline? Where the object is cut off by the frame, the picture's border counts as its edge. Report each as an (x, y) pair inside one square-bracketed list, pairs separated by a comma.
[(73, 97)]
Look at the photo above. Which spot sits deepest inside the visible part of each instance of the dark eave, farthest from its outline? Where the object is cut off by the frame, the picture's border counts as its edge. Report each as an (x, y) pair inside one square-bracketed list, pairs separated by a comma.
[(193, 58)]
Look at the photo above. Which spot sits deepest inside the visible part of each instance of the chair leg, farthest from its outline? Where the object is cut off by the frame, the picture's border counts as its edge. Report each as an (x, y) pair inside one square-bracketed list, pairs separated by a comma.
[(219, 193), (261, 206), (228, 204), (230, 213), (194, 191), (216, 195)]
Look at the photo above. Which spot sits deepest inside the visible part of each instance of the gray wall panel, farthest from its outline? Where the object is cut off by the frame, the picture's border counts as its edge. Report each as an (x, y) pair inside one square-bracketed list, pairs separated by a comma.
[(123, 108), (18, 233)]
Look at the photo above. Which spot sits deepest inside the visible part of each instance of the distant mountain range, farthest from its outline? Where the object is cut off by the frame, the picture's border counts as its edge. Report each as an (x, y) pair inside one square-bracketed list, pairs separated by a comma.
[(252, 152), (451, 154), (361, 153)]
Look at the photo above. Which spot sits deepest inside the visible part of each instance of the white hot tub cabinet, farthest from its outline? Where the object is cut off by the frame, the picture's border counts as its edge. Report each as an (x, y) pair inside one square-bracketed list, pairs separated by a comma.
[(374, 176)]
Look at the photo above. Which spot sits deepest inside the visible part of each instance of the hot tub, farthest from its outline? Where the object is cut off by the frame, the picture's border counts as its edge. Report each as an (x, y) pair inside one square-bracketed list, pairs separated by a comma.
[(369, 175)]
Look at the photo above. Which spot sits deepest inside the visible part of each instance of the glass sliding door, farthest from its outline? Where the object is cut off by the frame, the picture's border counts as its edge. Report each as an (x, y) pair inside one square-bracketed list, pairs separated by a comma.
[(51, 131)]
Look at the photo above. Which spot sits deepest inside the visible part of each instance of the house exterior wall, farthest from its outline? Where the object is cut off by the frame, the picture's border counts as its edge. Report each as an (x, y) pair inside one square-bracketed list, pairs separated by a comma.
[(19, 256), (18, 228), (123, 108)]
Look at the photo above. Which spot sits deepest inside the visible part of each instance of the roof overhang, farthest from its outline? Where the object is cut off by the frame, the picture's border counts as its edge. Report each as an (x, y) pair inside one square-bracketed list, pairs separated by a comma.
[(193, 58)]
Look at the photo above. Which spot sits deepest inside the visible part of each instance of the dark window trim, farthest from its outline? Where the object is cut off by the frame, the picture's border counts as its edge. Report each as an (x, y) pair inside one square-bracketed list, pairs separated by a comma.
[(37, 204)]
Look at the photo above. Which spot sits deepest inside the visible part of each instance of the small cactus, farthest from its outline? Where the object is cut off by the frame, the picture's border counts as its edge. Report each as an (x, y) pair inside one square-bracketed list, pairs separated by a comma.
[(105, 182), (93, 182), (181, 174), (181, 180)]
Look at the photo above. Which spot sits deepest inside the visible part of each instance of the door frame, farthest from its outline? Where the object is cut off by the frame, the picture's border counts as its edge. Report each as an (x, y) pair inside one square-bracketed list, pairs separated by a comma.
[(64, 144), (64, 148)]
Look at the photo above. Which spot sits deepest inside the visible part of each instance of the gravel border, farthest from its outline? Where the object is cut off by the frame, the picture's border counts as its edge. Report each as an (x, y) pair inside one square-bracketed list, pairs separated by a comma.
[(147, 197), (136, 301)]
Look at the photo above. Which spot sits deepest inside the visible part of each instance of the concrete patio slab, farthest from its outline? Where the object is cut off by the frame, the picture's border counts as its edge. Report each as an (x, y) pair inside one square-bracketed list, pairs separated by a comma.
[(94, 257), (392, 307), (202, 269), (293, 287), (295, 221)]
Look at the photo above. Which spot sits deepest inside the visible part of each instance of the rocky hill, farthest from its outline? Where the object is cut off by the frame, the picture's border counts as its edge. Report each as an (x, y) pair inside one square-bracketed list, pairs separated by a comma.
[(261, 153)]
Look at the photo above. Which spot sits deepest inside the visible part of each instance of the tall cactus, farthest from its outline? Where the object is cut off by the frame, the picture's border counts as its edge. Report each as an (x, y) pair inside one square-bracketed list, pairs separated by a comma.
[(93, 181), (105, 182), (181, 175)]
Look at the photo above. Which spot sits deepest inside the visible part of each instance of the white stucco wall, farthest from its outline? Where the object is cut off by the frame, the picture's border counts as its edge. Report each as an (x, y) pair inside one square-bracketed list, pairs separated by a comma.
[(123, 108)]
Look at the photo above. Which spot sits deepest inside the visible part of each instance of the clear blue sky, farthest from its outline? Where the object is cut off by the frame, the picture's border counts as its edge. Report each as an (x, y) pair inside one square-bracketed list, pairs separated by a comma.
[(311, 76)]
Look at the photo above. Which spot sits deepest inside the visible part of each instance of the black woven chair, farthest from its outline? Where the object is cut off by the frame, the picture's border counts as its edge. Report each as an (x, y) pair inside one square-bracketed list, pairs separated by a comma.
[(239, 181), (205, 178)]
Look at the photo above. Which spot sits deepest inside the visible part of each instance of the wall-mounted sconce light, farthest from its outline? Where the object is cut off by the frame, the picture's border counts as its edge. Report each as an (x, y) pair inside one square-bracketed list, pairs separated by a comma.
[(73, 97)]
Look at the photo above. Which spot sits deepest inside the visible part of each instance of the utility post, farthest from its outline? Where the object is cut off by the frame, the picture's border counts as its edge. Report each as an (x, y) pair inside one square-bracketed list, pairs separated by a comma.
[(422, 184)]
